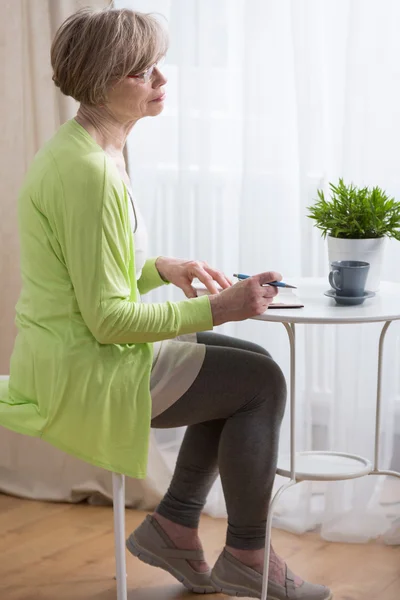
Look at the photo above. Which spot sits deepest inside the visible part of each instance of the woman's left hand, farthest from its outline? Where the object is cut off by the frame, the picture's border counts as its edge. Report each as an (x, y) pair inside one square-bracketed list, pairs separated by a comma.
[(182, 272)]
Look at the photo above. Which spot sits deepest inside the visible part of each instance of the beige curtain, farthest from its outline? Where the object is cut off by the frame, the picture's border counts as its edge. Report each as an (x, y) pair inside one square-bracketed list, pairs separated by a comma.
[(31, 109)]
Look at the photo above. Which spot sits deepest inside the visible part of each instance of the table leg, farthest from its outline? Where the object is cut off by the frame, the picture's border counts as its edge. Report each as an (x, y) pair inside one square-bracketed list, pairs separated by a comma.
[(376, 470), (290, 328)]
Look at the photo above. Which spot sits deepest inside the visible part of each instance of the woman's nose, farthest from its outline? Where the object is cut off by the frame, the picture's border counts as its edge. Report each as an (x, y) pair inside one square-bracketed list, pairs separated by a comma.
[(159, 78)]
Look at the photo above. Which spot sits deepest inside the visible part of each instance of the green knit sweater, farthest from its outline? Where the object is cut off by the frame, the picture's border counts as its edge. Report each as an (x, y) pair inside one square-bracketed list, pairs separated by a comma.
[(80, 369)]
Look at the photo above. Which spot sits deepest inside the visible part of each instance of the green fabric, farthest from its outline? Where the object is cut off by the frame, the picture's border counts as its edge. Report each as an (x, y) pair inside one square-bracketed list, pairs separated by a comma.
[(80, 369)]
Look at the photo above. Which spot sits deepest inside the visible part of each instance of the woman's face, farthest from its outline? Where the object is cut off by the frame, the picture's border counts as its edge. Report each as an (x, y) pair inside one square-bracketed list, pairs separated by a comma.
[(132, 98)]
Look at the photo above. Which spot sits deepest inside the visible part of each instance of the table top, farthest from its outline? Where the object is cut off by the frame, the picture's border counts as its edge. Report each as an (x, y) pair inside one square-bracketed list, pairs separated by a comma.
[(384, 306)]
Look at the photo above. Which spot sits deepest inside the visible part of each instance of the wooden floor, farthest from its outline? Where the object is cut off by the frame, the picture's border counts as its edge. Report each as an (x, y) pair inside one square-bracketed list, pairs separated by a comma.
[(65, 552)]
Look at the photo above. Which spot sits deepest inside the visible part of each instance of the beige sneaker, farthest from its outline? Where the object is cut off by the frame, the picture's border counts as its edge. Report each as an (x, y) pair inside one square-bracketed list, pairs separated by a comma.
[(233, 578), (150, 543)]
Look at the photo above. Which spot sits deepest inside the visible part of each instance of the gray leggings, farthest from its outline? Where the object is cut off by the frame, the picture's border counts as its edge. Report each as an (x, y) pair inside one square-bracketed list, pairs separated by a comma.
[(233, 411)]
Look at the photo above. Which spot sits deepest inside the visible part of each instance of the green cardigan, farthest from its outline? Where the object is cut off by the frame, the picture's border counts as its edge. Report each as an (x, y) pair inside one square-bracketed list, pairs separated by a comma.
[(81, 364)]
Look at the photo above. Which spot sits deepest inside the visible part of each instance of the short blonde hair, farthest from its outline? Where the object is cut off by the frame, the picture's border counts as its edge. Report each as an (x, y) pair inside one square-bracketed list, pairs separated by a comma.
[(93, 48)]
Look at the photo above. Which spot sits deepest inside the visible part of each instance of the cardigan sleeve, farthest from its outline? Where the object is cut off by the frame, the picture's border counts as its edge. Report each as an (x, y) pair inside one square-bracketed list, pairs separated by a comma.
[(98, 256), (150, 277)]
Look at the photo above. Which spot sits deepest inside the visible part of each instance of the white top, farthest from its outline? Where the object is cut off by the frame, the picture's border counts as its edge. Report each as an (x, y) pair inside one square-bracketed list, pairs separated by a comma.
[(384, 306), (176, 362)]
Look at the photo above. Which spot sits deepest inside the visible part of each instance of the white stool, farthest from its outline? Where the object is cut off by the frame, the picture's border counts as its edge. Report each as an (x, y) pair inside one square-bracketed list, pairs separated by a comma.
[(118, 481)]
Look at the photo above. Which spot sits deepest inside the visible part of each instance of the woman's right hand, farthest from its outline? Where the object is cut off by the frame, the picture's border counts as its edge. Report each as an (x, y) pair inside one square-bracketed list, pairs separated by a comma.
[(245, 299)]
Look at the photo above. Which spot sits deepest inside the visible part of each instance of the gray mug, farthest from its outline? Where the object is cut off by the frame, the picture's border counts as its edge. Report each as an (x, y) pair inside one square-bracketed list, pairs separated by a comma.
[(348, 277)]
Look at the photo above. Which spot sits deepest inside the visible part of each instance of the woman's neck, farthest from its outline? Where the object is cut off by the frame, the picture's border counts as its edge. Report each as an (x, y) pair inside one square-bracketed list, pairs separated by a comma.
[(104, 128)]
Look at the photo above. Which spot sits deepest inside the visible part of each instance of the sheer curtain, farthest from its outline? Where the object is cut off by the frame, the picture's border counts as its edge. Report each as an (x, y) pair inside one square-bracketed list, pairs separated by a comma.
[(267, 101)]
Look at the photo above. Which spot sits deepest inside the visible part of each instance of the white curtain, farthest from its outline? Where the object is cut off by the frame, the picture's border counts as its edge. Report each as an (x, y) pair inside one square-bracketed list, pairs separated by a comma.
[(267, 101)]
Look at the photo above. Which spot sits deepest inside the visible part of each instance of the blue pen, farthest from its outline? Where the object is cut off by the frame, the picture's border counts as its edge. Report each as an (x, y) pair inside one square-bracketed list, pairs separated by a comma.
[(274, 283)]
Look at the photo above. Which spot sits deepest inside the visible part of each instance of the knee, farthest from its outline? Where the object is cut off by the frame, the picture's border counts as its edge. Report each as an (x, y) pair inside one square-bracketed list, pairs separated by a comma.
[(258, 349), (273, 388), (278, 383)]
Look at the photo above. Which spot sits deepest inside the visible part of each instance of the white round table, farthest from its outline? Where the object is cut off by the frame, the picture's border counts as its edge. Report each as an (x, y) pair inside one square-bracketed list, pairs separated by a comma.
[(319, 309)]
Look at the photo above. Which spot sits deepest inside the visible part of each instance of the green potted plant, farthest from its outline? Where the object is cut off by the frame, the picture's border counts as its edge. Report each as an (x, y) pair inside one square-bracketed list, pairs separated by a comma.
[(356, 221)]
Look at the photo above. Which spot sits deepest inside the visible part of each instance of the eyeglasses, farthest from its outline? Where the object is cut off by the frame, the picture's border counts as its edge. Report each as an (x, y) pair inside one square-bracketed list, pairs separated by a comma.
[(148, 74)]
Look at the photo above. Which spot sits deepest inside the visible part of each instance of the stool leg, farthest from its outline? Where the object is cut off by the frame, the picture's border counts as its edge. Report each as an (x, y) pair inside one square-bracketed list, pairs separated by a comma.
[(119, 533)]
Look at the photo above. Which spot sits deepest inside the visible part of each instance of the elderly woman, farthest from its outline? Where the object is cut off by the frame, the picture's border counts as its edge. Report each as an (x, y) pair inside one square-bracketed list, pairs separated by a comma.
[(94, 368)]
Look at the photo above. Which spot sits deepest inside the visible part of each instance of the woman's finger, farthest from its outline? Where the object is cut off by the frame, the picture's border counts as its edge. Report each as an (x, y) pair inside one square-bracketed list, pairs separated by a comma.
[(269, 291), (188, 290), (268, 276), (205, 278), (219, 277)]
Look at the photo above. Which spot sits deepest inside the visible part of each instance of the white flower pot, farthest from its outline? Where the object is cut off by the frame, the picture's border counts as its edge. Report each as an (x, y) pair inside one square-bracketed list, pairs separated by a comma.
[(368, 250)]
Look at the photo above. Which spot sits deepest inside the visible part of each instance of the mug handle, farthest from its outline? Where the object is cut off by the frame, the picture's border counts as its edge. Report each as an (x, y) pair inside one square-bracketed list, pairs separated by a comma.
[(332, 281)]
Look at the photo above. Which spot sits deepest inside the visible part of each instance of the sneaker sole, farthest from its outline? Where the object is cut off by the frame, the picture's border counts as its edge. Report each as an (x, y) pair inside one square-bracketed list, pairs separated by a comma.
[(243, 592), (155, 561)]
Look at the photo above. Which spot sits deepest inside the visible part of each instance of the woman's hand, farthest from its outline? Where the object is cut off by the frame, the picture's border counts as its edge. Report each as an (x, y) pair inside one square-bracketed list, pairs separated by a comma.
[(182, 272), (245, 299)]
